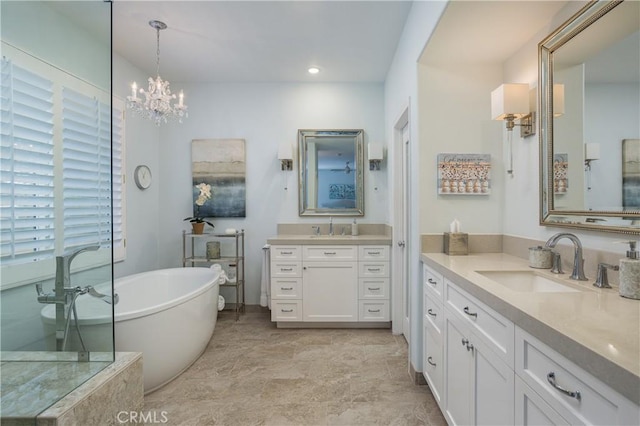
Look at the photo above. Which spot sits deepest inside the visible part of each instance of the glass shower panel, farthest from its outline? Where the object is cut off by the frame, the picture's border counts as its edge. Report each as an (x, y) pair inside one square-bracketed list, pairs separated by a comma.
[(56, 244)]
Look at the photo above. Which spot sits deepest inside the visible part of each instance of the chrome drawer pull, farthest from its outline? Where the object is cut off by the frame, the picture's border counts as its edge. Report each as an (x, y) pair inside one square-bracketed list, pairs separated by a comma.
[(373, 253), (432, 282), (329, 253), (465, 342), (286, 288), (431, 362), (373, 269), (286, 269), (471, 314), (430, 312), (373, 289), (286, 310), (286, 252), (551, 378), (373, 311)]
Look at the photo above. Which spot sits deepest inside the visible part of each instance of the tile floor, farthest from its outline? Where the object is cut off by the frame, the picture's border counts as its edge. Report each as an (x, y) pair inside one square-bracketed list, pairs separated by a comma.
[(255, 374)]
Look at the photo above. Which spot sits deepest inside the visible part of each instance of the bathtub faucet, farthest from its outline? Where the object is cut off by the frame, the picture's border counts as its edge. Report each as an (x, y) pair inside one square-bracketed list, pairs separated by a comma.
[(111, 300)]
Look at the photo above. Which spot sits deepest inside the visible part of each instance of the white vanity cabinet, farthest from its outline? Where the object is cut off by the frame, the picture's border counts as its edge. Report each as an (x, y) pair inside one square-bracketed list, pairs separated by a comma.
[(468, 355), (286, 283), (330, 283), (433, 320), (565, 393)]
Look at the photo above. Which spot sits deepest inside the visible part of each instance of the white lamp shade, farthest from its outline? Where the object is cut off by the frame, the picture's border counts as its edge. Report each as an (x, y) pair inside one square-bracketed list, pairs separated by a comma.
[(592, 151), (510, 99), (285, 152), (558, 100), (375, 151)]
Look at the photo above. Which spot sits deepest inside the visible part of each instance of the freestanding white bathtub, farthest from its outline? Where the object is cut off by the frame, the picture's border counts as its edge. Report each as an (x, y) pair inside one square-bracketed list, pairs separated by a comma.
[(169, 315)]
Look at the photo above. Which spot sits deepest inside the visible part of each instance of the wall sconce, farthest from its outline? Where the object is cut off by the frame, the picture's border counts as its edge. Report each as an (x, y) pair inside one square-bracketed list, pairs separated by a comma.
[(510, 102), (285, 155), (528, 122), (591, 153), (375, 156)]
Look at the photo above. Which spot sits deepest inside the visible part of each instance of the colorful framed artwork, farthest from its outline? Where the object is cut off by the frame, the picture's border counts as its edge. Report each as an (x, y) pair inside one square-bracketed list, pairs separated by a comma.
[(464, 174), (221, 164)]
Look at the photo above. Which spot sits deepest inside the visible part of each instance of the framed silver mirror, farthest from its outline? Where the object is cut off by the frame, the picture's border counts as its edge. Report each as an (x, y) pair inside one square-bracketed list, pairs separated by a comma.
[(330, 172), (589, 74)]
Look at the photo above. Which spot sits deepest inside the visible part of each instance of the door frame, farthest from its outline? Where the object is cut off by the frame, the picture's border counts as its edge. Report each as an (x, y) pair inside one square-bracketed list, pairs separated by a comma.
[(400, 255)]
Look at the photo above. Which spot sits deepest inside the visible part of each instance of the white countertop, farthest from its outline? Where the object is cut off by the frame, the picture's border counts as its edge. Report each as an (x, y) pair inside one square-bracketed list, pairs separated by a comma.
[(298, 239), (595, 328)]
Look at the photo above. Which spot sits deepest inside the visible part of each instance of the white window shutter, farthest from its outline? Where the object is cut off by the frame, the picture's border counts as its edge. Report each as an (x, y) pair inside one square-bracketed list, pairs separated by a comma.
[(26, 166)]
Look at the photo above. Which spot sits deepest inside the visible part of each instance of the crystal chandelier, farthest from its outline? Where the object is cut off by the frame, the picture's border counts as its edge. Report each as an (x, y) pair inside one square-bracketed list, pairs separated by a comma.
[(157, 104)]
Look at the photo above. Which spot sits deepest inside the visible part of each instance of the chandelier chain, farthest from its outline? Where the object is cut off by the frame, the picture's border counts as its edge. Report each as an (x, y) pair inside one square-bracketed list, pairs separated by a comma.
[(158, 52)]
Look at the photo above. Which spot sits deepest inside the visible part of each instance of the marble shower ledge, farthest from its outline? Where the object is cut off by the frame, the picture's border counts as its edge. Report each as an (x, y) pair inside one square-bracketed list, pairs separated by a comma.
[(595, 328)]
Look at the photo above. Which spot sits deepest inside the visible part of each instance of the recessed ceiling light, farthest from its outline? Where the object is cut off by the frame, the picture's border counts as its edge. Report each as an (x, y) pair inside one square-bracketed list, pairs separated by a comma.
[(314, 70)]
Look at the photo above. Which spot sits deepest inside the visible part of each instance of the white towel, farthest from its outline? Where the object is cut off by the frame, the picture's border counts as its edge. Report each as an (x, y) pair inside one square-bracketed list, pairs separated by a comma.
[(265, 285)]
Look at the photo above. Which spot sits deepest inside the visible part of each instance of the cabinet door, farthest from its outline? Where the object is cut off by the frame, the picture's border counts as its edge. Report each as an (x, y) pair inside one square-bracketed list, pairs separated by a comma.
[(458, 372), (330, 291), (433, 365), (479, 385), (531, 409), (492, 386)]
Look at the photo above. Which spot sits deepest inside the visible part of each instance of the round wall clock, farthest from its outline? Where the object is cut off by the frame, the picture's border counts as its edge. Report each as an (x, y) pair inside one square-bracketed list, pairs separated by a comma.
[(142, 176)]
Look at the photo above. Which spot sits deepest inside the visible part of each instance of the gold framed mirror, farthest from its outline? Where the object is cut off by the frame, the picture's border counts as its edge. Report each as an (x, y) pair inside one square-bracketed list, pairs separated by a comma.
[(330, 172), (590, 142)]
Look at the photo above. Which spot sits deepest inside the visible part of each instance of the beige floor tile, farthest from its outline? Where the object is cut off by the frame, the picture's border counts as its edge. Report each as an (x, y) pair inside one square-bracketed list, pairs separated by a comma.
[(253, 373)]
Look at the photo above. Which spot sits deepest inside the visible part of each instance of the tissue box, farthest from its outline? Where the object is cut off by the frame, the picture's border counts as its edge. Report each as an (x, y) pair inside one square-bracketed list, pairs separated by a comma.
[(456, 243)]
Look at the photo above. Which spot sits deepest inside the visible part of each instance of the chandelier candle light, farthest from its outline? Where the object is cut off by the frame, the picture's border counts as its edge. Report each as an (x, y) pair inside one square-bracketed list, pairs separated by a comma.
[(157, 104)]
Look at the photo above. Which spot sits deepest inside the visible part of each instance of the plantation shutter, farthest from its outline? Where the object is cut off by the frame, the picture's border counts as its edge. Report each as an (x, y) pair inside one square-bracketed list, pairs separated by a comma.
[(26, 166), (117, 166), (86, 172)]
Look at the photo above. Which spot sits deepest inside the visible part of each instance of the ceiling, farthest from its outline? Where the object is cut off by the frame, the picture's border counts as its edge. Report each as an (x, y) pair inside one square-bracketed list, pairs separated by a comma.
[(277, 41), (255, 41), (487, 32)]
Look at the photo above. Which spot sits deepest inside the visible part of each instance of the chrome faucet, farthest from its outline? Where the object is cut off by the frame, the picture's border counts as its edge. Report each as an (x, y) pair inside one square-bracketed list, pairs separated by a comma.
[(331, 226), (64, 295), (578, 261)]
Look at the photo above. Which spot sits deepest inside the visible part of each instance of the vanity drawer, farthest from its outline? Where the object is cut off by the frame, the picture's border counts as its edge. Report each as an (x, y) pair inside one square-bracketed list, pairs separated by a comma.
[(373, 253), (373, 269), (433, 282), (286, 269), (373, 288), (497, 331), (370, 310), (286, 288), (597, 403), (433, 313), (286, 310), (335, 253), (286, 253)]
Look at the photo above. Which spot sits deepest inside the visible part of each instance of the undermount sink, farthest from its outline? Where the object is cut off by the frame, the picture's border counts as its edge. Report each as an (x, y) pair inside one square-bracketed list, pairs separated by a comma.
[(527, 282)]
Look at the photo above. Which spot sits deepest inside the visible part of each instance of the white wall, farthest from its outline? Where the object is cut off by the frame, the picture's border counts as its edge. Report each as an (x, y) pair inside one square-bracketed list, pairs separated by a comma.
[(455, 117), (265, 115), (142, 207), (400, 92)]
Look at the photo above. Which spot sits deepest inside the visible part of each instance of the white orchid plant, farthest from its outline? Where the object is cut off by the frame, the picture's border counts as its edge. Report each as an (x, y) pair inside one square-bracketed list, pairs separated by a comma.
[(203, 197)]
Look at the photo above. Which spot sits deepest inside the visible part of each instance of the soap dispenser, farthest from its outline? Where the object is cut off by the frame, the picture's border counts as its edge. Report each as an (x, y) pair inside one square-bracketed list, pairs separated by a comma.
[(630, 273), (354, 228)]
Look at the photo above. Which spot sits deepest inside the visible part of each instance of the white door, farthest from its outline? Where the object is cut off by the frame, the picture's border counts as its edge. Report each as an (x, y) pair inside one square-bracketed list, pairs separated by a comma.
[(405, 221), (400, 214)]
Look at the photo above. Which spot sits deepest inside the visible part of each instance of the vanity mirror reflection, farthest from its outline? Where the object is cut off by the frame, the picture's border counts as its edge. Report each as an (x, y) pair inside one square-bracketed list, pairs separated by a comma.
[(590, 150), (330, 171)]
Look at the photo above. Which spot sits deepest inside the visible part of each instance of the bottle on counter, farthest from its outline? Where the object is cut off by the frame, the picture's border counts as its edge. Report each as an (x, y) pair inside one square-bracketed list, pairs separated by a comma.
[(630, 273)]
